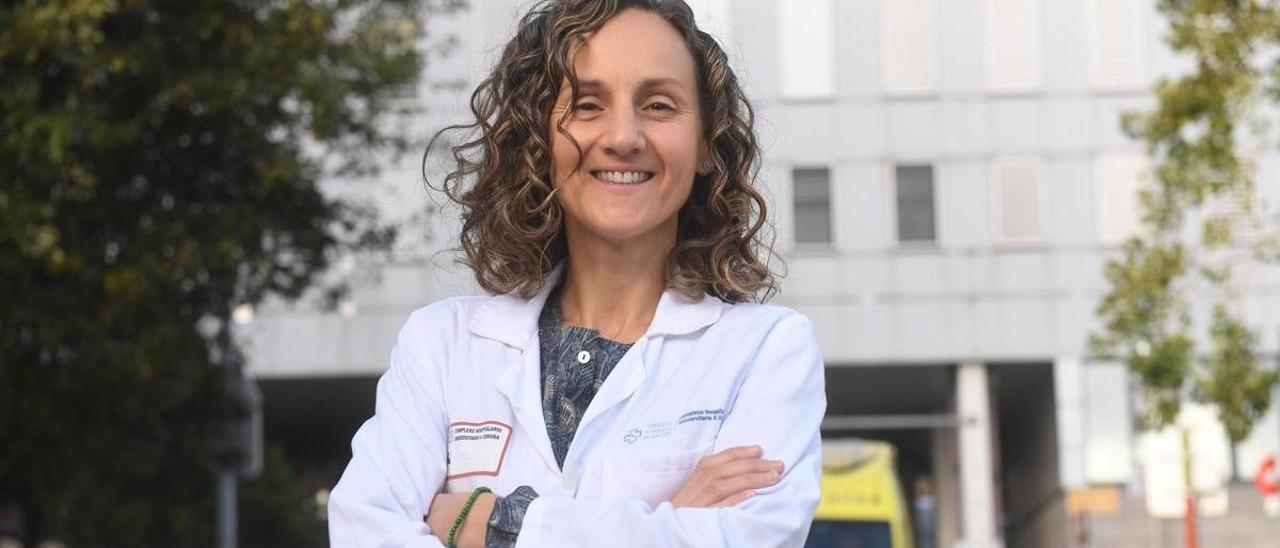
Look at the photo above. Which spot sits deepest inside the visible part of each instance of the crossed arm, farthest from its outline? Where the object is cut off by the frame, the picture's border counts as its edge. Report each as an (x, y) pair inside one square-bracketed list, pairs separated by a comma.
[(720, 480)]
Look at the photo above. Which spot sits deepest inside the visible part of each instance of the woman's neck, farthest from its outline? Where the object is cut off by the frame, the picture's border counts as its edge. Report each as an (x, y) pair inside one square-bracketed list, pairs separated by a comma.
[(613, 289)]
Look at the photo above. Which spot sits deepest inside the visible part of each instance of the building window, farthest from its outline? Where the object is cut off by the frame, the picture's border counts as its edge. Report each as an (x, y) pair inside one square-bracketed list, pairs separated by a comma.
[(907, 39), (1011, 36), (1117, 179), (914, 186), (1117, 44), (811, 196), (1016, 196), (806, 49), (1234, 209)]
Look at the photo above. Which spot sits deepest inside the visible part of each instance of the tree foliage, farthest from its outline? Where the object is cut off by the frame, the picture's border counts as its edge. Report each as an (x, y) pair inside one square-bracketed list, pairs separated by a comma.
[(159, 165), (1199, 134), (276, 511)]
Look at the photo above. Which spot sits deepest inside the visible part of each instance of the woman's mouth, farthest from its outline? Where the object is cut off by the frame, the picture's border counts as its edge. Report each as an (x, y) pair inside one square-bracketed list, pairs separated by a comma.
[(623, 177)]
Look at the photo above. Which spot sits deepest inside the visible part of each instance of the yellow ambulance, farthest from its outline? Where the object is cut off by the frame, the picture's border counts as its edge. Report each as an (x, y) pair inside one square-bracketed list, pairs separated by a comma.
[(862, 504)]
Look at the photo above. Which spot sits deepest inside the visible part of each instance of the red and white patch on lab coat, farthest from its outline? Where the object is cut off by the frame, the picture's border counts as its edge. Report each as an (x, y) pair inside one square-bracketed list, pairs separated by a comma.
[(477, 448)]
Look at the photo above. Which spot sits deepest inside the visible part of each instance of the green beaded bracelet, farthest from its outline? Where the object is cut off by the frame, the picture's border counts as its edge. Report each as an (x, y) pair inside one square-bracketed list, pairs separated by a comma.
[(462, 516)]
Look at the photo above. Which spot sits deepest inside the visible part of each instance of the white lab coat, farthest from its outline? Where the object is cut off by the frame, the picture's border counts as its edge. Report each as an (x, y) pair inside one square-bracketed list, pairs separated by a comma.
[(464, 385)]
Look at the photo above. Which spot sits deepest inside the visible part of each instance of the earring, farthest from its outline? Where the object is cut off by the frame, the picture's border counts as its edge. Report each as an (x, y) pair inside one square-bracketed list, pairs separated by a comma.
[(707, 167)]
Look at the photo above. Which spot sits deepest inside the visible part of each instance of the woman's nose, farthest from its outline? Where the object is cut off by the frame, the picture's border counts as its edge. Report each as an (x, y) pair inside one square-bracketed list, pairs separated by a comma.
[(624, 136)]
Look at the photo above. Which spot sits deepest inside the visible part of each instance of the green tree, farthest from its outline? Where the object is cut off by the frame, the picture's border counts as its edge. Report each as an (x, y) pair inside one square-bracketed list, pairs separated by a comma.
[(159, 166), (275, 510), (1199, 135)]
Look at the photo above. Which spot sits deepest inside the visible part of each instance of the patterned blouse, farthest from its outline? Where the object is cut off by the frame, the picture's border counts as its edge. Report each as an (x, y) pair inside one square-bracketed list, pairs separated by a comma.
[(575, 361)]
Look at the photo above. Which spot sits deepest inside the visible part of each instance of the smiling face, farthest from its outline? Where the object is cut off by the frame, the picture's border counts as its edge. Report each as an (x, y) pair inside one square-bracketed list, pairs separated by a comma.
[(638, 125)]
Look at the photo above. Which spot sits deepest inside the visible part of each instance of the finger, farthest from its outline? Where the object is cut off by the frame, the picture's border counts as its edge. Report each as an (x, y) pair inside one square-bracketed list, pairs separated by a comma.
[(731, 454), (757, 480), (744, 466), (736, 499)]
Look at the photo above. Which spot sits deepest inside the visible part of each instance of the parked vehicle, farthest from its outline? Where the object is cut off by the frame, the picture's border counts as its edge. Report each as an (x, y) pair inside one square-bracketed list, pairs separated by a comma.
[(862, 504)]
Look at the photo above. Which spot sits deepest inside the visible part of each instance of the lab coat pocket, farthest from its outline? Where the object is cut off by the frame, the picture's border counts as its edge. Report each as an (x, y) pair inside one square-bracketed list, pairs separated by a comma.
[(653, 477)]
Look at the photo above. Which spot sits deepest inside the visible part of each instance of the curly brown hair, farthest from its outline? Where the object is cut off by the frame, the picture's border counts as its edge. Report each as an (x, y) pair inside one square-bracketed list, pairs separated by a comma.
[(512, 226)]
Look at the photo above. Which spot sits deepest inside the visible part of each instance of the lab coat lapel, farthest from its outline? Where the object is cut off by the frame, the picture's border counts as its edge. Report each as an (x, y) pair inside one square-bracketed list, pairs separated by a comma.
[(626, 378), (514, 321), (674, 316), (522, 385)]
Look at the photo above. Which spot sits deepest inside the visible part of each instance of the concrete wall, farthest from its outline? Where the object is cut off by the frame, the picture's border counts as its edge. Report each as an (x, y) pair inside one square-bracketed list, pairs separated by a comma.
[(1034, 510), (1246, 526)]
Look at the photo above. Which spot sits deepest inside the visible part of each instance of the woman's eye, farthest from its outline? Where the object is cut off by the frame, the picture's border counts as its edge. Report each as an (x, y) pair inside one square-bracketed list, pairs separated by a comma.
[(586, 107), (661, 107)]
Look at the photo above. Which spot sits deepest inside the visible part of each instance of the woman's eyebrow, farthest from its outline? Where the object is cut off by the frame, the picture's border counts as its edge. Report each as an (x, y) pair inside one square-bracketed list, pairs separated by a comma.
[(591, 85), (596, 86), (650, 83)]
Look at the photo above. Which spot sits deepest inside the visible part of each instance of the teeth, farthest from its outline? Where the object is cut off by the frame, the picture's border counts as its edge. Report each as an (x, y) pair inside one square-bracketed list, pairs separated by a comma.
[(622, 177)]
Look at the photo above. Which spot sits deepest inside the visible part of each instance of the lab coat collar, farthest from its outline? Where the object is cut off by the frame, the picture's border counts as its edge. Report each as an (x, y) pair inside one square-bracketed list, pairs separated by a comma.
[(513, 320)]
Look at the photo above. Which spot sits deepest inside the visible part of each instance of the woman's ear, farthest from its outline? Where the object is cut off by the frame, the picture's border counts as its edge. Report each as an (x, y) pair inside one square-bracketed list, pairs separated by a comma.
[(705, 165)]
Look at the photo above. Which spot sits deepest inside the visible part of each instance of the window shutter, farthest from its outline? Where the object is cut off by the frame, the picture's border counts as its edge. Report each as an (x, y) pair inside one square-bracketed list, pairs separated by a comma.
[(1013, 45), (1117, 44), (1016, 184), (907, 40), (806, 49), (1117, 179), (1235, 208)]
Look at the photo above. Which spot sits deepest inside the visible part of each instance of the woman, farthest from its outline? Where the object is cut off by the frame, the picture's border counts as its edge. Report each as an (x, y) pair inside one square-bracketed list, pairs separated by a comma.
[(617, 387)]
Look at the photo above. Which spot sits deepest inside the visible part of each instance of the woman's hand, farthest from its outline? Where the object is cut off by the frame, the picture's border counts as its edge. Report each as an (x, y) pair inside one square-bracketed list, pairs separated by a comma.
[(444, 510), (728, 478)]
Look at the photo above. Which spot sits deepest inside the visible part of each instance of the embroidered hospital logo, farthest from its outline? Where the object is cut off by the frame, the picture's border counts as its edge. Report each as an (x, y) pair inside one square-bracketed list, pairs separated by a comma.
[(650, 431), (663, 429), (702, 415), (632, 436)]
